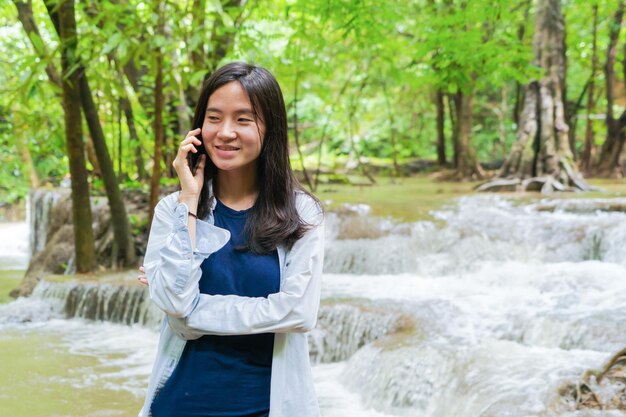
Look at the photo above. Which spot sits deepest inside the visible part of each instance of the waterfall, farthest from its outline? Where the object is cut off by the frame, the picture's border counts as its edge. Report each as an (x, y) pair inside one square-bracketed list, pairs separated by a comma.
[(495, 378), (41, 203), (478, 230), (343, 327), (495, 308), (123, 304)]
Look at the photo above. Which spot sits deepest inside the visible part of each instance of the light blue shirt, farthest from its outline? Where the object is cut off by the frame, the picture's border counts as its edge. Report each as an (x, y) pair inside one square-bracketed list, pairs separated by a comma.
[(173, 272)]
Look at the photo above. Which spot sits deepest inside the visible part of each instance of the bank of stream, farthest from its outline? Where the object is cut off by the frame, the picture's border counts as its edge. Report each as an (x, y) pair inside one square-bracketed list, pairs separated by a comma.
[(489, 308)]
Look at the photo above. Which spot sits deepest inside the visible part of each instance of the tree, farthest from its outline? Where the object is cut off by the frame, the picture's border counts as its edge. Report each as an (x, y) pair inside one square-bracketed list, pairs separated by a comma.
[(467, 47), (608, 164), (589, 150), (441, 124), (124, 247), (81, 208), (159, 130), (124, 244), (541, 158)]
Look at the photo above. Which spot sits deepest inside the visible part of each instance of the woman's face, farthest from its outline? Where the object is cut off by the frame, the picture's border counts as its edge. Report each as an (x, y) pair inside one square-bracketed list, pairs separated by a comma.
[(231, 134)]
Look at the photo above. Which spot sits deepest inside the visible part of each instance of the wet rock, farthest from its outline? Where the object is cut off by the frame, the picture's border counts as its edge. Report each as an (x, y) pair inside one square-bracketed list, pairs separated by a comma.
[(600, 389), (52, 240)]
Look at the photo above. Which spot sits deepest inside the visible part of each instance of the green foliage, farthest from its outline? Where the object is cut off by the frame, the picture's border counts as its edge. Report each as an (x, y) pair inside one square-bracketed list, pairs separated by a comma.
[(138, 224), (365, 73)]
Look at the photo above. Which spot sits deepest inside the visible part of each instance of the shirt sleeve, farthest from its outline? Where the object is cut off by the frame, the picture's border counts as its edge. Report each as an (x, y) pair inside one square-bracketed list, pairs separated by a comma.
[(293, 309), (172, 268)]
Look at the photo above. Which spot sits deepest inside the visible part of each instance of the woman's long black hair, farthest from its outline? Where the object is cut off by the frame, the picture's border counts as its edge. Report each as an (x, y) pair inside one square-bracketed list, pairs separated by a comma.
[(273, 220)]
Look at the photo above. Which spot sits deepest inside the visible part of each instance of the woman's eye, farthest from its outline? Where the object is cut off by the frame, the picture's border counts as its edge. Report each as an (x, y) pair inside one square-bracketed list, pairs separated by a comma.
[(213, 118), (243, 120)]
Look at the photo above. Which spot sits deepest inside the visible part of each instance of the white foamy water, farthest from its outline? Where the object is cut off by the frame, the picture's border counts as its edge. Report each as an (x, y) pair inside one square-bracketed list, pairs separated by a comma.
[(508, 303), (14, 245), (567, 305), (483, 229)]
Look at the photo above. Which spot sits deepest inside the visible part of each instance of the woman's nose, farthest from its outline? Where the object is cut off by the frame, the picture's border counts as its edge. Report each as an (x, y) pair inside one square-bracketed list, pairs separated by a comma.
[(227, 131)]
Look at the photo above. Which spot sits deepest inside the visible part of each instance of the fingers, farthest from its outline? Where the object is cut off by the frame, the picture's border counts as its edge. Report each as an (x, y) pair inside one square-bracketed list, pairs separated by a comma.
[(194, 132), (191, 139), (189, 144), (142, 277), (191, 147)]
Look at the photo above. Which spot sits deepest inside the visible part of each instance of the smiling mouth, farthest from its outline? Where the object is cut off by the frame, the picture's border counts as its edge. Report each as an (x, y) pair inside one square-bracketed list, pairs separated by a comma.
[(227, 148)]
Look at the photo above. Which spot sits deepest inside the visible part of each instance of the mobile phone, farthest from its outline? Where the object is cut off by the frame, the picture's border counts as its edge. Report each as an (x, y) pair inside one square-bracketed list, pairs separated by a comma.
[(194, 158), (200, 147)]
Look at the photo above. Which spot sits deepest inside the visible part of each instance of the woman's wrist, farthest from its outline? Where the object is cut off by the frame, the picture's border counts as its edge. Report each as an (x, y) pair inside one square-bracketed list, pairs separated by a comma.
[(190, 200)]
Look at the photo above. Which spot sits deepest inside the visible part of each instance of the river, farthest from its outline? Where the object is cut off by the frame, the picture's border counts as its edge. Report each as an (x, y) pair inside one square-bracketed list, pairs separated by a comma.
[(487, 311)]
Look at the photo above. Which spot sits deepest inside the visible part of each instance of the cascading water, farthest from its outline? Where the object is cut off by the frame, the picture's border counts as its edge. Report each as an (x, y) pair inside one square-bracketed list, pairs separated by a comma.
[(489, 311), (343, 327), (41, 202), (511, 303)]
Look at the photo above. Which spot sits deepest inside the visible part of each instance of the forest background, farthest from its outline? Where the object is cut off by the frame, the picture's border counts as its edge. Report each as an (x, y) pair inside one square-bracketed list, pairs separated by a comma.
[(372, 87)]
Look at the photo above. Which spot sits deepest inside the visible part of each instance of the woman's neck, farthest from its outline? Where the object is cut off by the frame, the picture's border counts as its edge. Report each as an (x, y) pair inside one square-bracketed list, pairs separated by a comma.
[(236, 191)]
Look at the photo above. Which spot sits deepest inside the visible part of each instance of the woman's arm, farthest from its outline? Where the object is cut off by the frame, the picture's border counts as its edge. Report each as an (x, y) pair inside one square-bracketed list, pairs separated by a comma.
[(178, 243), (171, 264), (293, 309)]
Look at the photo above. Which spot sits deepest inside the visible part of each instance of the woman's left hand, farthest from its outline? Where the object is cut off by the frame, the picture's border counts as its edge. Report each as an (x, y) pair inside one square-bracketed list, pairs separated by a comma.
[(142, 276)]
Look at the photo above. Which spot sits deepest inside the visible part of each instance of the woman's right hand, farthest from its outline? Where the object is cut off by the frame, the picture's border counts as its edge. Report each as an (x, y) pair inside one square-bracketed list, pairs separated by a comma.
[(190, 184)]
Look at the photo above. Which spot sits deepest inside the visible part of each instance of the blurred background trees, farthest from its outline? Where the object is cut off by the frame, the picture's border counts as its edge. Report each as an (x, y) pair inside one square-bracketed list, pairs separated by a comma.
[(372, 87)]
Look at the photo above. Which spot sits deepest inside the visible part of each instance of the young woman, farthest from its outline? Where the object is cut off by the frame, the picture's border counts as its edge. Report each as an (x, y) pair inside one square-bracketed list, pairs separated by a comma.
[(235, 260)]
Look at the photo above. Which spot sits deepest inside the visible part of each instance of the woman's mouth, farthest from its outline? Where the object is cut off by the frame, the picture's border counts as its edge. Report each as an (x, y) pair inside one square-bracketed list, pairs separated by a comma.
[(226, 148)]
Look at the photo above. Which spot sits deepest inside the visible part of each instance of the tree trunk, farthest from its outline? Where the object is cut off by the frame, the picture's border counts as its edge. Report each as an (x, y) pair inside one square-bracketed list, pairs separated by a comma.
[(441, 135), (181, 124), (93, 159), (159, 133), (519, 88), (608, 164), (393, 132), (589, 150), (541, 158), (134, 138), (124, 244), (81, 209), (171, 127), (120, 143), (455, 130), (468, 166), (25, 16), (296, 133), (325, 129), (119, 218), (572, 118), (27, 159), (504, 95)]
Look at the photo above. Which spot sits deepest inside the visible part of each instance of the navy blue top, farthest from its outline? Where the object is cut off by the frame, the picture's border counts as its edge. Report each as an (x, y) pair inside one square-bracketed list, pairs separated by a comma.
[(226, 376)]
